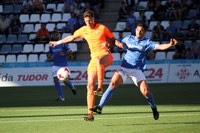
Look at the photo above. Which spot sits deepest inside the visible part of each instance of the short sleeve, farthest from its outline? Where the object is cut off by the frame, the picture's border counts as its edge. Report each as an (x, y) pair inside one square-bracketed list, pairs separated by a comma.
[(108, 33), (124, 39), (151, 45), (78, 33)]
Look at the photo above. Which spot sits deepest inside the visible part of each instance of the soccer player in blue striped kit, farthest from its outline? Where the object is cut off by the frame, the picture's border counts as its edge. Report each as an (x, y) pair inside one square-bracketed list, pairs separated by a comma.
[(59, 54), (133, 65)]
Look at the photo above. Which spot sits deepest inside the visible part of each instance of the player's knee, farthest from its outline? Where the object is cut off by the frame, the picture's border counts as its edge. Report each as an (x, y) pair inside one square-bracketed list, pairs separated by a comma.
[(112, 84), (144, 92), (90, 87)]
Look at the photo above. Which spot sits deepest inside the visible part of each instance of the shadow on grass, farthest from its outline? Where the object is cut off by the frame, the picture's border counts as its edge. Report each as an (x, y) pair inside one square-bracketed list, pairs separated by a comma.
[(164, 94), (31, 116), (161, 112), (117, 113)]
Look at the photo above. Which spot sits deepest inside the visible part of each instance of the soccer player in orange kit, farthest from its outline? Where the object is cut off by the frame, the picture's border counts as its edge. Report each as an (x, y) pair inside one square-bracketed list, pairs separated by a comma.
[(96, 36)]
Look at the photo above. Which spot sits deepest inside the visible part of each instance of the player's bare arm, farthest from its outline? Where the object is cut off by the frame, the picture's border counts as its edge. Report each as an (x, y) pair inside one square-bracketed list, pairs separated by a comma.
[(65, 40), (113, 41), (172, 42), (119, 44)]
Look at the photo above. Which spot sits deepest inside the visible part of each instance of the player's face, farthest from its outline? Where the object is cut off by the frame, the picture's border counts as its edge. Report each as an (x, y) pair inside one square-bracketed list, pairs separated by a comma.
[(140, 32), (89, 21)]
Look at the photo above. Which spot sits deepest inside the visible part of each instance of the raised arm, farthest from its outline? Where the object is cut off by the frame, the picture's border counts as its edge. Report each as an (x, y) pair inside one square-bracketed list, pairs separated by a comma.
[(117, 43), (65, 40), (172, 42)]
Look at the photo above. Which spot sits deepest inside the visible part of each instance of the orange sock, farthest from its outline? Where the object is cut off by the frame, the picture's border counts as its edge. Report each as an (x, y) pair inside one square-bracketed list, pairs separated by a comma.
[(100, 72), (90, 101)]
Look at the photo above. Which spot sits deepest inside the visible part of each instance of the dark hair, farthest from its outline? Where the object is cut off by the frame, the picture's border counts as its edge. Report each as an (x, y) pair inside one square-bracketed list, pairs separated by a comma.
[(88, 13), (143, 25)]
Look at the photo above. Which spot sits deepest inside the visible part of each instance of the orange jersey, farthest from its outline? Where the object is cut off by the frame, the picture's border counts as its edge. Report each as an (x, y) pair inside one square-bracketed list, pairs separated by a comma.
[(96, 38)]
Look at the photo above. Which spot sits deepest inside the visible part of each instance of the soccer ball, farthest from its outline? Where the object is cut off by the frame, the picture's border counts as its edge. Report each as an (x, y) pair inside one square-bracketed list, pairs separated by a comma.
[(63, 74)]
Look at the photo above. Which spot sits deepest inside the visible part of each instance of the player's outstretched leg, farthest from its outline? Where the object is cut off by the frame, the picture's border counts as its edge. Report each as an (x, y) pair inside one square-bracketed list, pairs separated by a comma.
[(151, 102), (100, 73), (105, 98), (60, 93), (71, 86)]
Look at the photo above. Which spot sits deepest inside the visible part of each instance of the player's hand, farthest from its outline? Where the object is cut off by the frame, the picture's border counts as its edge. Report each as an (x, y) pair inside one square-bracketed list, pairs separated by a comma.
[(52, 43), (121, 45), (173, 41)]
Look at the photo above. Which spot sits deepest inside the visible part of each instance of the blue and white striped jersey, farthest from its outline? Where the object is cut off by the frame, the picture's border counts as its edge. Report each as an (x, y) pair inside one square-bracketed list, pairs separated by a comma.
[(136, 51)]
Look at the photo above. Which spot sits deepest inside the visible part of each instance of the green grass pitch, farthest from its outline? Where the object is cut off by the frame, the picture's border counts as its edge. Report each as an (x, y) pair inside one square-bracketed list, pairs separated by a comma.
[(34, 110)]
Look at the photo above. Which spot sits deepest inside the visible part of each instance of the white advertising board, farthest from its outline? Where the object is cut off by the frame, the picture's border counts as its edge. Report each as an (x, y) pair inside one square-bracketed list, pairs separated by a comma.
[(184, 73), (155, 73), (25, 76)]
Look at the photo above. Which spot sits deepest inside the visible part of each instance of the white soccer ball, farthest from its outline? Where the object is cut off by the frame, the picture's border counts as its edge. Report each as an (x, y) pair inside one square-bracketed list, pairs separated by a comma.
[(63, 73)]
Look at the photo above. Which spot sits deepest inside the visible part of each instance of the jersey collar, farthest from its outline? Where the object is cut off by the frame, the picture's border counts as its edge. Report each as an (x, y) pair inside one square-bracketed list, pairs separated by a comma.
[(138, 39)]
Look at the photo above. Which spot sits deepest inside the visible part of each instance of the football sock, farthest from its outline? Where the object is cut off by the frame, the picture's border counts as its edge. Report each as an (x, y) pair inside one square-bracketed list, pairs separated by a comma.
[(150, 100), (59, 89), (69, 83), (100, 72), (90, 101), (106, 96)]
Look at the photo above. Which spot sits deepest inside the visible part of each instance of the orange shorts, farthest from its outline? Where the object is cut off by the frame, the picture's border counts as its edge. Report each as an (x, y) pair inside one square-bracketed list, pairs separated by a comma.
[(92, 67)]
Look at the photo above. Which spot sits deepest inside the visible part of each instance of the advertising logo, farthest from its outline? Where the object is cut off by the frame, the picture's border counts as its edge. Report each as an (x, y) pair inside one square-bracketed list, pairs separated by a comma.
[(183, 73), (6, 77)]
